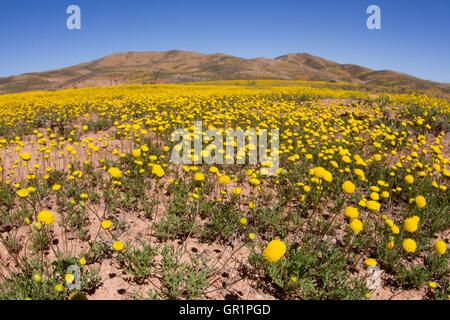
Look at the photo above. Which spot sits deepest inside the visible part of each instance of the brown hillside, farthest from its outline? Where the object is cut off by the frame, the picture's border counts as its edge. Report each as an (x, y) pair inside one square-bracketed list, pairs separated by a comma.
[(185, 66)]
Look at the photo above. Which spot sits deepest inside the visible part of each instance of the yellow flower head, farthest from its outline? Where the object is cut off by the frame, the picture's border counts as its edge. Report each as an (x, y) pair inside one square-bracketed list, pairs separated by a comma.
[(118, 246), (356, 225), (237, 191), (274, 251), (213, 170), (59, 288), (410, 224), (25, 156), (224, 180), (421, 202), (370, 262), (409, 245), (158, 171), (106, 224), (395, 230), (199, 177), (69, 278), (46, 217), (319, 172), (136, 153), (440, 246), (390, 244), (78, 296), (409, 179), (23, 193), (37, 226), (348, 187), (115, 172), (351, 212), (373, 205)]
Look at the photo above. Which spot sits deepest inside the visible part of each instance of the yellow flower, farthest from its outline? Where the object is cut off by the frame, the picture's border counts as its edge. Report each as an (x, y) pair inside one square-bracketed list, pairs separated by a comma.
[(37, 226), (78, 296), (328, 177), (254, 182), (115, 172), (59, 288), (199, 177), (158, 171), (389, 223), (37, 278), (118, 246), (409, 179), (56, 187), (356, 225), (243, 221), (82, 261), (370, 262), (409, 245), (374, 196), (136, 153), (395, 230), (440, 246), (351, 212), (213, 170), (224, 180), (319, 172), (46, 217), (432, 284), (348, 187), (390, 244), (420, 201), (69, 278), (237, 191), (23, 193), (410, 224), (373, 205), (106, 224), (274, 251), (25, 156), (252, 236)]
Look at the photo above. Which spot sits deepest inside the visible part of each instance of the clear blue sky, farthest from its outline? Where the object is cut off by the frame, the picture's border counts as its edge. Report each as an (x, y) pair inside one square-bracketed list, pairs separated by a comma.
[(414, 37)]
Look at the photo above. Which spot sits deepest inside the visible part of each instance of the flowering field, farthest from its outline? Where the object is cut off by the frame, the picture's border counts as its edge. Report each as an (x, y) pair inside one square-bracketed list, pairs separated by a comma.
[(91, 205)]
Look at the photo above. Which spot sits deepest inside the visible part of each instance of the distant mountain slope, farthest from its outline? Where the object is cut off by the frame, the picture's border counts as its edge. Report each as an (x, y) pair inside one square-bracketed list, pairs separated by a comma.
[(185, 66)]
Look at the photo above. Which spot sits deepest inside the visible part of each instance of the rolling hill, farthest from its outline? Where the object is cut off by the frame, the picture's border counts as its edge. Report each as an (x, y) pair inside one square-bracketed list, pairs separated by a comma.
[(177, 66)]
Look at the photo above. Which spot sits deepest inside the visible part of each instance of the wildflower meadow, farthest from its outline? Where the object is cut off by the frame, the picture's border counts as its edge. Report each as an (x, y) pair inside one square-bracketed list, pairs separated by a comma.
[(348, 200)]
